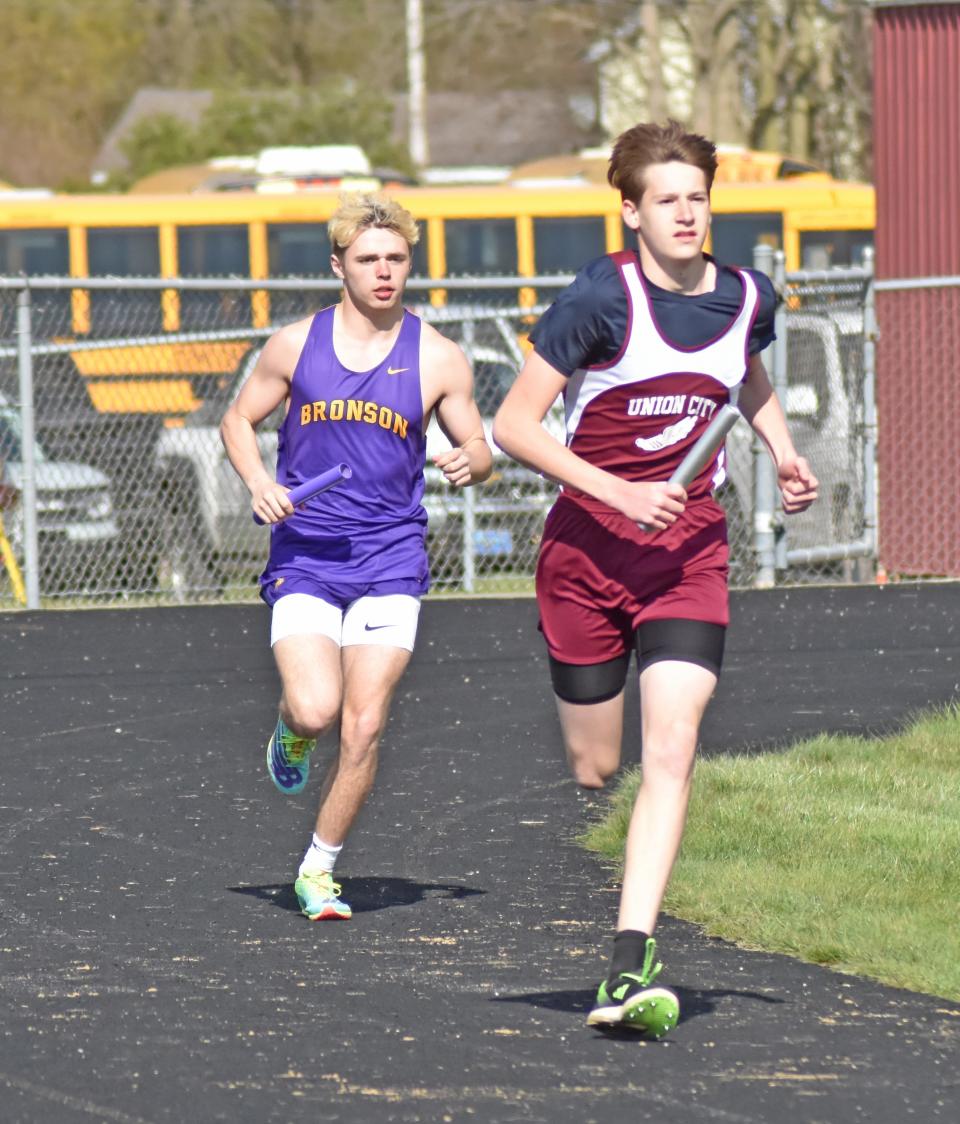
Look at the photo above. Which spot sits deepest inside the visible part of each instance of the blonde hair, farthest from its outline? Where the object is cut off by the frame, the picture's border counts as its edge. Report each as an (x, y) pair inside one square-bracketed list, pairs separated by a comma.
[(359, 211)]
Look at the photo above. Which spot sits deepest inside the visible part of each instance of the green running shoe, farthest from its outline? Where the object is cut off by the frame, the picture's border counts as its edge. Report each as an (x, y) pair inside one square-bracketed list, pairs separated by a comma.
[(629, 1002), (319, 897), (288, 758)]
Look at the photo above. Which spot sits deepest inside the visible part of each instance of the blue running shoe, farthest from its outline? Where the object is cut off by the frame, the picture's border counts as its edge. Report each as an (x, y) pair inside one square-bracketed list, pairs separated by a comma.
[(288, 758), (319, 897)]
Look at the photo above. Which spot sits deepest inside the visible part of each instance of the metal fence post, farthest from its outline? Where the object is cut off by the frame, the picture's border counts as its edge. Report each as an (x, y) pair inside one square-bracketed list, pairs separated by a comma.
[(28, 498), (869, 449), (469, 500), (779, 378), (765, 484), (469, 540)]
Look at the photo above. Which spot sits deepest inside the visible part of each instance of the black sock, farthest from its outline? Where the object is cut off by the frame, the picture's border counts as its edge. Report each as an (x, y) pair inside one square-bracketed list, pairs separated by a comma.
[(629, 949)]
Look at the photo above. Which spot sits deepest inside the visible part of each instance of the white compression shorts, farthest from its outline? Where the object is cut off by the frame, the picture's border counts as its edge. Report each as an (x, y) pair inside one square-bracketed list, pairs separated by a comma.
[(390, 620)]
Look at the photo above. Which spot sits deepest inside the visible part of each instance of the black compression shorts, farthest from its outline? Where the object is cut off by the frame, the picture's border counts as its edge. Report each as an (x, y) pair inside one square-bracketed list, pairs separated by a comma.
[(697, 642)]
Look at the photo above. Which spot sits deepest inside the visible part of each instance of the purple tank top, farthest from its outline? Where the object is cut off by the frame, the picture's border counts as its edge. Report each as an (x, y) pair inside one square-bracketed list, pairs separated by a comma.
[(372, 527)]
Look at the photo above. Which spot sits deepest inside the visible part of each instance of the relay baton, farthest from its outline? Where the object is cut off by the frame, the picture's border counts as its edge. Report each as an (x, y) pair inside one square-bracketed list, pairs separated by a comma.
[(707, 444), (315, 485), (703, 450)]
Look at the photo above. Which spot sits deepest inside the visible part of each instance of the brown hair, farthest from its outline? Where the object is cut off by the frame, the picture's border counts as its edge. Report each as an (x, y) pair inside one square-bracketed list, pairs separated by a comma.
[(360, 211), (645, 144)]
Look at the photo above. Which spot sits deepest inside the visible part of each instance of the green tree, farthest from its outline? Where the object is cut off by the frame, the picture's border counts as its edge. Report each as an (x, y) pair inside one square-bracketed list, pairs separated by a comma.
[(67, 68), (158, 142), (242, 123)]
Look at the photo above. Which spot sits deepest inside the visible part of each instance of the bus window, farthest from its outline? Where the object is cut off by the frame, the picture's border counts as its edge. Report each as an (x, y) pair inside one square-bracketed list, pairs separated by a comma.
[(213, 251), (37, 252), (820, 249), (733, 237), (562, 245), (300, 249), (124, 252), (478, 247), (297, 249), (303, 250), (34, 252)]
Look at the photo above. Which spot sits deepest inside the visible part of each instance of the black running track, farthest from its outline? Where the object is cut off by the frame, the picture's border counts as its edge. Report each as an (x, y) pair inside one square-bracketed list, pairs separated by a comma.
[(154, 967)]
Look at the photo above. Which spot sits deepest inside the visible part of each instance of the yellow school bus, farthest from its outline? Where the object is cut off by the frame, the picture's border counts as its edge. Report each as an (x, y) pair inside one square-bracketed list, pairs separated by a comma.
[(542, 222)]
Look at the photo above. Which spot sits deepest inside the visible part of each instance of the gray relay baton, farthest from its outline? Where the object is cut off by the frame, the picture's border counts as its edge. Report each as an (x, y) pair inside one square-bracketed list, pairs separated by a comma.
[(315, 485), (703, 449), (706, 445)]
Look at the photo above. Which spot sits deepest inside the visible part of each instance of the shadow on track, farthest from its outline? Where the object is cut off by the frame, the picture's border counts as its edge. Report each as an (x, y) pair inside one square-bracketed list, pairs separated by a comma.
[(366, 894), (693, 1002)]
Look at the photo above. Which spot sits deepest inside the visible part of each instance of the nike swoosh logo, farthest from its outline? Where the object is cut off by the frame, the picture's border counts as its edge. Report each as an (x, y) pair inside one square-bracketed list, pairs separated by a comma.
[(396, 370), (374, 627)]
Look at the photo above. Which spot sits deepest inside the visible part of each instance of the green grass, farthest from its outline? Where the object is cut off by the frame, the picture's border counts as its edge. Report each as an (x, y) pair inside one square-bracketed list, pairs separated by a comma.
[(842, 851)]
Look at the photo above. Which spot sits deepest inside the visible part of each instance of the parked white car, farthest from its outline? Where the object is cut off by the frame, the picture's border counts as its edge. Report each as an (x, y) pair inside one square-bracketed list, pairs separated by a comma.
[(76, 526)]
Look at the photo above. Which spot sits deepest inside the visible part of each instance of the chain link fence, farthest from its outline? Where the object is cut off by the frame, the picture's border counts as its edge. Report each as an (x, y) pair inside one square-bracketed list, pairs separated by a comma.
[(822, 366), (115, 486), (918, 451)]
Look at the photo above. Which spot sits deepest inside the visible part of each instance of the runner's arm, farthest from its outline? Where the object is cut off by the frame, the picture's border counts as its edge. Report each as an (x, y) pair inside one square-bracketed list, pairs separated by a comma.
[(470, 460), (760, 406), (267, 386)]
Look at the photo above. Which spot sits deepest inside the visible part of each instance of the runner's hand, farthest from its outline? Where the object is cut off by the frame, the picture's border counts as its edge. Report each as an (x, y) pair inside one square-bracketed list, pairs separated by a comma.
[(269, 502), (455, 465), (798, 485), (654, 506)]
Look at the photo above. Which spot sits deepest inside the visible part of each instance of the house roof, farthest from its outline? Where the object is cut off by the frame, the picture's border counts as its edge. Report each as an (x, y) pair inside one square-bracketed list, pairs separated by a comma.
[(150, 101), (503, 128)]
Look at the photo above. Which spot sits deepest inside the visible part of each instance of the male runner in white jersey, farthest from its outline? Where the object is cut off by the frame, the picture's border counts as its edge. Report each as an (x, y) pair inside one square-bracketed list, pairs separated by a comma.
[(644, 347), (347, 570)]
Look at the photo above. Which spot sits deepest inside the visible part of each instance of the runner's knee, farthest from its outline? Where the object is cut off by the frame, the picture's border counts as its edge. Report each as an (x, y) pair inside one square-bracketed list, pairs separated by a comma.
[(360, 729), (587, 774), (669, 751), (310, 718), (593, 758)]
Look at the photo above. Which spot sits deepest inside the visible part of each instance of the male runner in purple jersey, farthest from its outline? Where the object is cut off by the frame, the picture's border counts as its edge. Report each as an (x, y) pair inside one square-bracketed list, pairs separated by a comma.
[(644, 347), (346, 570)]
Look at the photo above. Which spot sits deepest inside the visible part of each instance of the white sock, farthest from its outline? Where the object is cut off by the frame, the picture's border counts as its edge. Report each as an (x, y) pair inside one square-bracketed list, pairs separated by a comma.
[(320, 856)]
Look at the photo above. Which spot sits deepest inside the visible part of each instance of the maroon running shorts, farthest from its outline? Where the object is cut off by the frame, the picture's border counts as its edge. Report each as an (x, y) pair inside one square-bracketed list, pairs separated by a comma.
[(599, 576)]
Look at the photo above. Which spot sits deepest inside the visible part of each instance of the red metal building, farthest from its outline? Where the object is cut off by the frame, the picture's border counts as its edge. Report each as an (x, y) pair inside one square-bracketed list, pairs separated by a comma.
[(917, 177)]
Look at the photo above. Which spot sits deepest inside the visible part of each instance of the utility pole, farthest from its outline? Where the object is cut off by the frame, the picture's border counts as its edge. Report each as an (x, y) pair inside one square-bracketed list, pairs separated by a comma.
[(417, 85)]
